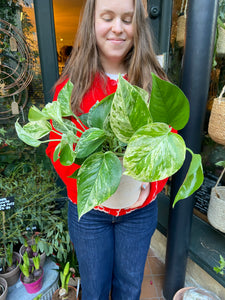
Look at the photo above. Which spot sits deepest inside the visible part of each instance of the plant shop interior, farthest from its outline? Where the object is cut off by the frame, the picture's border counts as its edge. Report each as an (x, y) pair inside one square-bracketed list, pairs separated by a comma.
[(186, 259)]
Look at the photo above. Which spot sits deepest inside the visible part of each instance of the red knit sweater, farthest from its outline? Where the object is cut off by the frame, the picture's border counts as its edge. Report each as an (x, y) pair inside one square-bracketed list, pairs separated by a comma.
[(95, 93)]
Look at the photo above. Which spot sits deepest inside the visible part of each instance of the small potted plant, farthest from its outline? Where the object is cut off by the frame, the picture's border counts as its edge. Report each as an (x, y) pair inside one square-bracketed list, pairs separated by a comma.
[(125, 124), (32, 275), (65, 291), (9, 264), (3, 288), (31, 246)]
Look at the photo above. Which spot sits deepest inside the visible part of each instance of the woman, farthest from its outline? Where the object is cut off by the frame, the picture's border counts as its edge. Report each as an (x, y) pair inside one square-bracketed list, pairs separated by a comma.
[(111, 244)]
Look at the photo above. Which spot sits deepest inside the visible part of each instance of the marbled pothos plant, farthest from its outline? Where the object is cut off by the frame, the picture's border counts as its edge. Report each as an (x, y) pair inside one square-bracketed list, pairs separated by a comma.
[(122, 124)]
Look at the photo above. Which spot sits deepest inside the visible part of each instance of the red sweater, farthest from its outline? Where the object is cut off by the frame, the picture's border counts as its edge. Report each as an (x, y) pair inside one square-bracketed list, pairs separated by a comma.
[(95, 93)]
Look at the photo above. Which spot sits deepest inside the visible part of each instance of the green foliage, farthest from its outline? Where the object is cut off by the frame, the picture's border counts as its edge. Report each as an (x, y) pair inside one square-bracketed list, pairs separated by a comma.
[(221, 268), (122, 121), (65, 277)]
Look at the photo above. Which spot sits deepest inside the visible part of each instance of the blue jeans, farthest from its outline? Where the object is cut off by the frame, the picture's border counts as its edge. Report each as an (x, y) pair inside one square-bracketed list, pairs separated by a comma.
[(112, 251)]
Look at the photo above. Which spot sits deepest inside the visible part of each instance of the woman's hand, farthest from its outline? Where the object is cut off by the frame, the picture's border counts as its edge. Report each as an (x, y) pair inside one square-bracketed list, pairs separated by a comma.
[(145, 190)]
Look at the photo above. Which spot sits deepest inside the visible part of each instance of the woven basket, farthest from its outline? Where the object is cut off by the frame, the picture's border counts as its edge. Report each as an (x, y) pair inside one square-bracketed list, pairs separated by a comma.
[(220, 45), (216, 209), (216, 128), (181, 25)]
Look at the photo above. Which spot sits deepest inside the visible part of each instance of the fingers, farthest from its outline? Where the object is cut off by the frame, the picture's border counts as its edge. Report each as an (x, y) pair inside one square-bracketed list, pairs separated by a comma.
[(145, 189)]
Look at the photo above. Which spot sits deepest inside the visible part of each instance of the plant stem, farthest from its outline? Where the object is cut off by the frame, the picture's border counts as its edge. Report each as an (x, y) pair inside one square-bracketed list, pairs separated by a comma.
[(221, 175)]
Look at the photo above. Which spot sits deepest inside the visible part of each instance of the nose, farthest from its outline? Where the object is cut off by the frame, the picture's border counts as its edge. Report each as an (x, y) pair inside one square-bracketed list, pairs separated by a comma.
[(117, 26)]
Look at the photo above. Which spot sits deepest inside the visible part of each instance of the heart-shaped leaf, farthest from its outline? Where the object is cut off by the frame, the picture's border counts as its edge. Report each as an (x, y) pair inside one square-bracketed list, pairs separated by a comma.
[(25, 136), (128, 112), (98, 178), (64, 99), (154, 153), (98, 114), (89, 141), (168, 104), (193, 179)]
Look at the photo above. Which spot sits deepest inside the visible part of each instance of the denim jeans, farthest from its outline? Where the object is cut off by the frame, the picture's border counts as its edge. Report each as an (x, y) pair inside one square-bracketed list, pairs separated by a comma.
[(112, 251)]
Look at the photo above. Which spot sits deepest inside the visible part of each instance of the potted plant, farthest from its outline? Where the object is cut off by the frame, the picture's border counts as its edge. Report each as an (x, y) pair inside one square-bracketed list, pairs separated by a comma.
[(3, 288), (9, 264), (31, 246), (65, 291), (221, 268), (216, 208), (123, 124), (32, 275)]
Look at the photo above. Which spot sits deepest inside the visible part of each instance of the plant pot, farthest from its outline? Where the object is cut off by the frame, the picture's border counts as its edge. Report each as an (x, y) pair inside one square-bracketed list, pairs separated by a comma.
[(192, 293), (216, 209), (42, 256), (72, 294), (12, 276), (4, 285), (33, 287), (127, 193)]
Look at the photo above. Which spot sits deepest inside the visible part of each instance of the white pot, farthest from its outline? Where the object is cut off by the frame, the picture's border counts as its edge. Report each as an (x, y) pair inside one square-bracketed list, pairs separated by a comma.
[(216, 209), (127, 193)]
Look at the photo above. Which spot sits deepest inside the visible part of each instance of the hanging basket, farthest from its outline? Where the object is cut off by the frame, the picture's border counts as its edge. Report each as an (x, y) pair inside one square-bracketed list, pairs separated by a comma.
[(216, 128), (216, 209), (220, 45)]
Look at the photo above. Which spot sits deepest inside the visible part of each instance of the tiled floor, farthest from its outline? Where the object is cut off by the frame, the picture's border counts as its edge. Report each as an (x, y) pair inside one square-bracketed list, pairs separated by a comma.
[(153, 278)]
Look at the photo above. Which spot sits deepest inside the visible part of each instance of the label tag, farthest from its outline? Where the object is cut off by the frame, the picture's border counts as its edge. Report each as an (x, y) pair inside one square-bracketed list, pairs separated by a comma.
[(13, 44), (15, 108), (7, 203)]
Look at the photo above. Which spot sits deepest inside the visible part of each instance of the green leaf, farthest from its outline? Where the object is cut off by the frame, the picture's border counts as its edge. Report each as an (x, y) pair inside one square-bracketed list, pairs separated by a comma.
[(89, 141), (65, 126), (98, 114), (26, 137), (57, 152), (221, 163), (193, 179), (67, 155), (38, 129), (98, 179), (53, 111), (35, 114), (168, 104), (154, 153), (74, 175), (64, 99), (128, 112), (84, 119)]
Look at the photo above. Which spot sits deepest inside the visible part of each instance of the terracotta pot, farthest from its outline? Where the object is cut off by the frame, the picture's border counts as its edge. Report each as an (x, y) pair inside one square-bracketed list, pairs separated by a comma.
[(72, 294), (13, 276), (33, 287), (42, 256), (4, 284)]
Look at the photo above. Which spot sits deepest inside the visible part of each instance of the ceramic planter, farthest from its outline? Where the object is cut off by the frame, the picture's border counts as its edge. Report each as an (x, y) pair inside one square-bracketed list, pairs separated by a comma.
[(4, 288), (193, 293), (33, 287), (12, 276), (42, 256), (127, 193), (72, 294)]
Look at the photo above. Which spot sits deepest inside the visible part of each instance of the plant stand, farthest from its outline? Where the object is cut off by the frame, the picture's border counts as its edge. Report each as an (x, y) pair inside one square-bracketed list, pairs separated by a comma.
[(50, 284)]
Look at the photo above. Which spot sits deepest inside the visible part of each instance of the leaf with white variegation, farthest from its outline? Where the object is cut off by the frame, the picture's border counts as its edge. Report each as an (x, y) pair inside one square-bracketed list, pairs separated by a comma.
[(168, 104), (98, 114), (98, 178), (64, 99), (25, 136), (128, 112), (154, 153), (89, 141), (193, 179)]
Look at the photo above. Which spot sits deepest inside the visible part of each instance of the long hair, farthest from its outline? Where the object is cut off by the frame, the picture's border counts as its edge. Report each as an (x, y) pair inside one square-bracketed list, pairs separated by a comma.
[(84, 62)]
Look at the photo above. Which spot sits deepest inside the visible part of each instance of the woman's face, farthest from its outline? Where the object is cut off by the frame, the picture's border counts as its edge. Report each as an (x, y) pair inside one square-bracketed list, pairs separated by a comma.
[(113, 30)]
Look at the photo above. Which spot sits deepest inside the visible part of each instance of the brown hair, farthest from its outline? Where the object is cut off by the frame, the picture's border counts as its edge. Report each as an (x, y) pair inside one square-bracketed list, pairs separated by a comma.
[(84, 61)]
